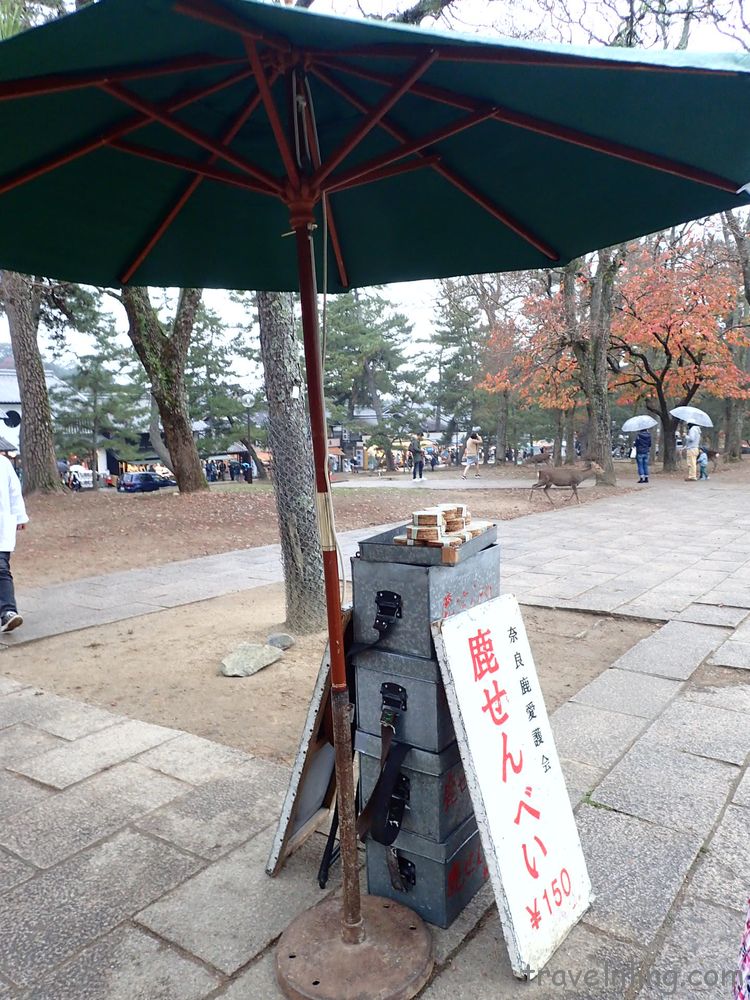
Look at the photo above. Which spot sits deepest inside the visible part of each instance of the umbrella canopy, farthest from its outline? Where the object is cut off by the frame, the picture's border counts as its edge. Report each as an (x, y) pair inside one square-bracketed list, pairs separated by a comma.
[(692, 415), (639, 423), (151, 122), (176, 142)]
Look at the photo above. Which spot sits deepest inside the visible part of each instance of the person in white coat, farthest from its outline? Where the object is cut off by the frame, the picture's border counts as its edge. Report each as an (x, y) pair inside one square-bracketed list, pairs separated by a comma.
[(13, 518)]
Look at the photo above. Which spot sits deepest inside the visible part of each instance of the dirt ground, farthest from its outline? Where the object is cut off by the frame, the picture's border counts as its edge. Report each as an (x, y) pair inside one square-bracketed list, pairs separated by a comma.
[(74, 536), (162, 668)]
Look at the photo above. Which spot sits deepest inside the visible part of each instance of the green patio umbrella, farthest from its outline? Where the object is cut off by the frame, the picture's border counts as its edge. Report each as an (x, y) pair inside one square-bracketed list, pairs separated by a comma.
[(177, 142)]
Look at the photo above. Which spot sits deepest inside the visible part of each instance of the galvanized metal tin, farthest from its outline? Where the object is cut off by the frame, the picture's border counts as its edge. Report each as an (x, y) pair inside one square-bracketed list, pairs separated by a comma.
[(446, 876), (426, 723), (428, 592), (439, 799), (381, 548)]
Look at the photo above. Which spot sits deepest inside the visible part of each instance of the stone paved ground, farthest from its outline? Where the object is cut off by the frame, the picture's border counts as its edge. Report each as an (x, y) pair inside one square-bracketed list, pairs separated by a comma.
[(132, 856)]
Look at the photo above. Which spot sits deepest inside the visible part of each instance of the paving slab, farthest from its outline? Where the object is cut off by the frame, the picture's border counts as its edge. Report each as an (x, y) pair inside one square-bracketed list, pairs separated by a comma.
[(674, 651), (732, 697), (20, 742), (628, 693), (592, 735), (193, 759), (227, 914), (74, 819), (127, 964), (586, 966), (668, 787), (713, 614), (742, 795), (702, 730), (75, 761), (256, 983), (445, 941), (13, 871), (213, 819), (699, 956), (580, 779), (737, 596), (732, 654), (57, 716), (721, 874), (45, 921), (636, 870), (18, 794)]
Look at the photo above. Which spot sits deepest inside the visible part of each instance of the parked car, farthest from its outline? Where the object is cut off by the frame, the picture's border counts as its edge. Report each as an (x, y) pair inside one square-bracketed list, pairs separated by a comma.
[(164, 480), (139, 482)]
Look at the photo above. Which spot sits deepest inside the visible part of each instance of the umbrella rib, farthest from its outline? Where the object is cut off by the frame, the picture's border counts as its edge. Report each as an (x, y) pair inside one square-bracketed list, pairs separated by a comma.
[(116, 132), (494, 54), (202, 170), (375, 114), (271, 110), (193, 186), (36, 86), (220, 17), (406, 149), (220, 149), (450, 175), (382, 173), (330, 215), (549, 129)]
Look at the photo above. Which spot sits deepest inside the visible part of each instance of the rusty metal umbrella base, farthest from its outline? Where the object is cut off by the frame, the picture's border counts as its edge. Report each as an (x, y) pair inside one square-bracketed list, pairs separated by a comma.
[(392, 962)]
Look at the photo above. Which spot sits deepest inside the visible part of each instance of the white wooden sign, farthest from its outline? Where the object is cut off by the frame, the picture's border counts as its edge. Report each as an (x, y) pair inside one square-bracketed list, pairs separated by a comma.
[(526, 823)]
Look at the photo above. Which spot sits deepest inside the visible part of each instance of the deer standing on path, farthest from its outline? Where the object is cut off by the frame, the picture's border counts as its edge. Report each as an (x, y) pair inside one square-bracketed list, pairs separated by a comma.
[(562, 477), (541, 459)]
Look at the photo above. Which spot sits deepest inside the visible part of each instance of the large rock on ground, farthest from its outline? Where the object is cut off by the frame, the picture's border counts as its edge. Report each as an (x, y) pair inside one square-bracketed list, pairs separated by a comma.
[(248, 658)]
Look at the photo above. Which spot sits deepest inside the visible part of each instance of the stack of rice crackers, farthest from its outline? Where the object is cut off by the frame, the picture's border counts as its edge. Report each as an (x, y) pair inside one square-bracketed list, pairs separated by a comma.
[(446, 526)]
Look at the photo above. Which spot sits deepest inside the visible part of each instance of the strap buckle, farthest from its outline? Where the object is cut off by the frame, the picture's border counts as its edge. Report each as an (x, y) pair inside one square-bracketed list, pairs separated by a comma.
[(388, 603), (403, 872), (394, 704)]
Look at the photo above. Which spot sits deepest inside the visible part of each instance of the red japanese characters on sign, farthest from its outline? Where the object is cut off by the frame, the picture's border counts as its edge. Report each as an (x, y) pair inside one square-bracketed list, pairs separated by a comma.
[(521, 804)]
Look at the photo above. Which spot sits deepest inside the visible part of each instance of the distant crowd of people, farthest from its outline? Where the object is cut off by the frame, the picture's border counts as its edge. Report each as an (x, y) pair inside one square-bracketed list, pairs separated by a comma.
[(233, 470)]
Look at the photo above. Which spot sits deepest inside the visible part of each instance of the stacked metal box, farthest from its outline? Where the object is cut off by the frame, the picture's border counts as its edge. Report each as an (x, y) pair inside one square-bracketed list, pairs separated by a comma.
[(435, 864)]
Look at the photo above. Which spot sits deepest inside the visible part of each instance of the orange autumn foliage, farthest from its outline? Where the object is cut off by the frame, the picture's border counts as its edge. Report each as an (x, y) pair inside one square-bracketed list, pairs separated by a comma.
[(668, 333)]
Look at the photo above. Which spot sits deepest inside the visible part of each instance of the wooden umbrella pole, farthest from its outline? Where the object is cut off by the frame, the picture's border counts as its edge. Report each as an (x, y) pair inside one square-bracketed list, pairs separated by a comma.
[(352, 929)]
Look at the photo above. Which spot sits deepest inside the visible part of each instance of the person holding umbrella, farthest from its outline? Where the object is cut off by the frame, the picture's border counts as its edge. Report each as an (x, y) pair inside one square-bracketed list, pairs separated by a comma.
[(642, 452), (641, 424), (692, 447)]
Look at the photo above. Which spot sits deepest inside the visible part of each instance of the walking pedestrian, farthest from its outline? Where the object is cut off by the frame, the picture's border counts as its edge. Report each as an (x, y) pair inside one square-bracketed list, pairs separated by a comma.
[(471, 455), (703, 464), (13, 518), (642, 451), (692, 447), (417, 457)]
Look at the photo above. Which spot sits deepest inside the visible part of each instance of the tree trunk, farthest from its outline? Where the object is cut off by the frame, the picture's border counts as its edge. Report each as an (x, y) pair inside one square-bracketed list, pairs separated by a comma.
[(558, 439), (570, 437), (502, 426), (37, 444), (289, 438), (734, 420), (377, 406), (154, 436), (591, 355), (164, 356)]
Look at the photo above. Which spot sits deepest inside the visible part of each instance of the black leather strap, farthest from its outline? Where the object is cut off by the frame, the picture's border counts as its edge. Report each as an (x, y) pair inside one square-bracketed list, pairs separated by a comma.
[(377, 819)]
